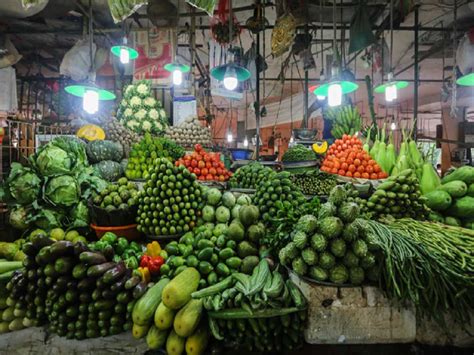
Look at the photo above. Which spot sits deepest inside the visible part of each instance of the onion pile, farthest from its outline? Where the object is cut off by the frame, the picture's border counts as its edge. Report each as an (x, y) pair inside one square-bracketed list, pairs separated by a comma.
[(117, 132)]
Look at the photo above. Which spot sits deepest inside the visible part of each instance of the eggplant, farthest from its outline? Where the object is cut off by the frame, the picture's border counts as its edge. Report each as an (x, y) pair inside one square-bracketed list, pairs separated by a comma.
[(29, 249), (61, 248), (86, 284), (108, 294), (41, 240), (99, 269), (79, 248), (92, 258), (109, 252), (139, 290), (119, 285), (114, 274), (132, 282)]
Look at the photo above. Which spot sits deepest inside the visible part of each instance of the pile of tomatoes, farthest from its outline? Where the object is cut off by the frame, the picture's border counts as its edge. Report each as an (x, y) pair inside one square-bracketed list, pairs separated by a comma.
[(346, 157), (206, 166)]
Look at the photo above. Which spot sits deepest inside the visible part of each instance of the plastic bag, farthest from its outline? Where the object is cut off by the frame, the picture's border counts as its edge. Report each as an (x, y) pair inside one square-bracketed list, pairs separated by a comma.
[(76, 62), (31, 3), (206, 5), (465, 55), (121, 9), (220, 24), (361, 35), (11, 55)]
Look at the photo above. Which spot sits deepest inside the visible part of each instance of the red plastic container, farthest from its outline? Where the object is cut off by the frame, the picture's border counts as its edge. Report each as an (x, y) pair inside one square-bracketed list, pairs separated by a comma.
[(130, 231)]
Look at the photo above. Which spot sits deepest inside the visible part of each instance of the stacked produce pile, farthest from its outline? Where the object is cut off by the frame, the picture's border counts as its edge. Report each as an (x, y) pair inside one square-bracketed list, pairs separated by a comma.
[(426, 264), (13, 305), (278, 197), (260, 312), (399, 197), (57, 234), (117, 132), (453, 200), (217, 250), (384, 154), (140, 112), (331, 247), (169, 318), (79, 293), (314, 182), (345, 120), (118, 249), (170, 200), (106, 156), (122, 195), (298, 152), (249, 176), (346, 157), (12, 251), (190, 132), (54, 190), (144, 154), (206, 166)]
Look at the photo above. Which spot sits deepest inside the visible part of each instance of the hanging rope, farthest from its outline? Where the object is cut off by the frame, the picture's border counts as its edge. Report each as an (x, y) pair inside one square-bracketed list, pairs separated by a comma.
[(291, 99), (391, 36), (455, 47)]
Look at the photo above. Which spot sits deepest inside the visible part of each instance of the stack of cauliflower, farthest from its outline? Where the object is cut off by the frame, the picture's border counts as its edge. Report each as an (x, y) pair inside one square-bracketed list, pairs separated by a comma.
[(140, 112), (332, 247)]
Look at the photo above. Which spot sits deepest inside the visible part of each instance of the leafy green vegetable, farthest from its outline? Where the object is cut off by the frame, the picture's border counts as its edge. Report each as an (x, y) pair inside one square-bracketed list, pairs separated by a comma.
[(23, 185), (62, 190), (18, 218), (298, 153)]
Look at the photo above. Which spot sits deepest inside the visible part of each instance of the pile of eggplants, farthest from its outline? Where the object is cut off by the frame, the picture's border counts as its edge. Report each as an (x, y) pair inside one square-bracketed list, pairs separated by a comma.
[(79, 293)]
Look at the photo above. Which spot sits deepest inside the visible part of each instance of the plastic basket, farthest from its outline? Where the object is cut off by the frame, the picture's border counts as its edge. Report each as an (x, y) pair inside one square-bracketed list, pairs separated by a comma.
[(129, 231)]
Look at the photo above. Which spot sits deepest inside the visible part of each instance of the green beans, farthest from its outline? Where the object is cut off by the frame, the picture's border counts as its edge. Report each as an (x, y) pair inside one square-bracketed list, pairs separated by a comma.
[(428, 265)]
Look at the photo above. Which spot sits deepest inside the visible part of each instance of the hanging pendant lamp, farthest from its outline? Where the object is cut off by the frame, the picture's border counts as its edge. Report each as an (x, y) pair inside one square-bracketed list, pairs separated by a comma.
[(90, 93), (230, 73), (466, 80), (125, 53), (177, 70), (391, 87)]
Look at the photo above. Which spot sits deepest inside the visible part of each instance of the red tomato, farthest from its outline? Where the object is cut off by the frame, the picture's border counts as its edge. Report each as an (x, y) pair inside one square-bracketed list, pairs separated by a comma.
[(194, 163), (190, 169), (377, 168), (215, 164), (360, 169), (212, 171), (201, 177), (341, 172), (356, 174), (344, 166), (198, 147), (219, 171), (374, 176), (201, 164), (365, 175), (208, 164), (357, 162), (198, 157), (197, 171), (221, 178), (352, 168), (209, 177), (204, 171), (348, 174)]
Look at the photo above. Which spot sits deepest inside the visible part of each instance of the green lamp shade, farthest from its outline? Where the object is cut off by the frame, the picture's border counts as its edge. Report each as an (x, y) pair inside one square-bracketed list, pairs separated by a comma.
[(399, 84), (466, 80), (347, 88), (132, 52), (218, 73), (79, 90), (171, 67)]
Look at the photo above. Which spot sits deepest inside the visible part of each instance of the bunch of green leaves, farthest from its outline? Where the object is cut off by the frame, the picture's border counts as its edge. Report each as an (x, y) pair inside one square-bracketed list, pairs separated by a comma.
[(298, 152), (22, 186)]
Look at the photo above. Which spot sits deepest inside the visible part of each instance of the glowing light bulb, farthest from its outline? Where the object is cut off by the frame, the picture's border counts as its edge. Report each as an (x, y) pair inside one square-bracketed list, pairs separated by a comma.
[(124, 56), (230, 138), (391, 92), (320, 97), (246, 142), (230, 79), (334, 94), (292, 139), (90, 101), (177, 77), (393, 126)]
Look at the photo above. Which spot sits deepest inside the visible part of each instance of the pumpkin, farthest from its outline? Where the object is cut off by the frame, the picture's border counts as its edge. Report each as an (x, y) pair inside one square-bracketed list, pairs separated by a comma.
[(91, 132), (104, 150), (108, 170)]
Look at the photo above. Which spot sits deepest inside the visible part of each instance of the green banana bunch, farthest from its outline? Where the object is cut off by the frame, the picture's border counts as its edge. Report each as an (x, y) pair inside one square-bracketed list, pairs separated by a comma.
[(346, 120)]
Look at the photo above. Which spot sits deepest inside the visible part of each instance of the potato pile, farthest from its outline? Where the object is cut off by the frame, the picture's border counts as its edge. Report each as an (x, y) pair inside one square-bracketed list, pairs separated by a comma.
[(117, 132), (189, 133)]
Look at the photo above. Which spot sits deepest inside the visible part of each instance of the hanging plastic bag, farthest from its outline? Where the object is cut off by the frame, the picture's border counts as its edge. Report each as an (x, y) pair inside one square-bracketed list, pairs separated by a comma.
[(76, 62), (121, 9), (361, 35), (21, 8), (283, 34), (380, 56), (10, 54), (465, 55)]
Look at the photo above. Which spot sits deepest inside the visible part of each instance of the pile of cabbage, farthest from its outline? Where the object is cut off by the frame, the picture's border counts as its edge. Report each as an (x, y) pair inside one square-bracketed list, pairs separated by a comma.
[(53, 190)]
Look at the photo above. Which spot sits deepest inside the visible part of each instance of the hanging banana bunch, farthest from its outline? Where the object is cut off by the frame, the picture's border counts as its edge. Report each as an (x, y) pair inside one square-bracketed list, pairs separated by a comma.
[(346, 120)]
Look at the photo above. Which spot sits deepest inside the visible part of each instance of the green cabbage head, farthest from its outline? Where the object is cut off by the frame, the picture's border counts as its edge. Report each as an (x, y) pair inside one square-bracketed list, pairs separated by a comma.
[(62, 190), (23, 184), (18, 218)]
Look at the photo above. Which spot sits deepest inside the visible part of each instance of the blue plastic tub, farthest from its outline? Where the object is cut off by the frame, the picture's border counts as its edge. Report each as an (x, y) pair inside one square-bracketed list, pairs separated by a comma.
[(241, 154)]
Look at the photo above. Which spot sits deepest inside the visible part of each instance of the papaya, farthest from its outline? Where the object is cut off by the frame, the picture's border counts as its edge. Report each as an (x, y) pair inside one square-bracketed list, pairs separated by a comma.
[(156, 338), (187, 318), (438, 200), (174, 344), (164, 317), (178, 291), (197, 342), (464, 173)]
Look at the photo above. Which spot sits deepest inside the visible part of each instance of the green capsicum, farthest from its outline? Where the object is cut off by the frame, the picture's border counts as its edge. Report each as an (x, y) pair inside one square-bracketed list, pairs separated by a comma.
[(121, 246), (109, 238), (131, 262)]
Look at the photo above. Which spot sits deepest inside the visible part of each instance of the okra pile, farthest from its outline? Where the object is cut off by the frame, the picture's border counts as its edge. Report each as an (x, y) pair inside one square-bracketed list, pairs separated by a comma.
[(77, 292), (269, 304)]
